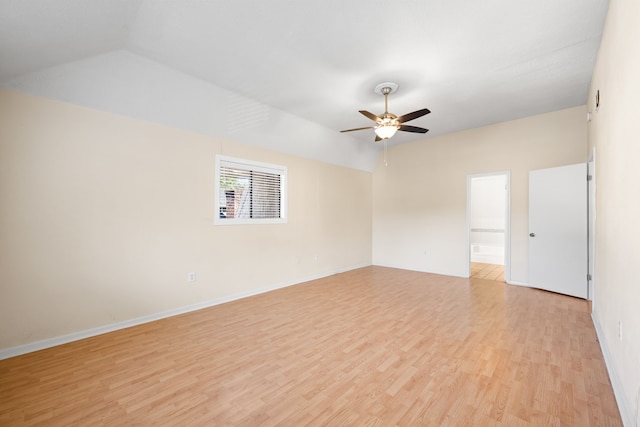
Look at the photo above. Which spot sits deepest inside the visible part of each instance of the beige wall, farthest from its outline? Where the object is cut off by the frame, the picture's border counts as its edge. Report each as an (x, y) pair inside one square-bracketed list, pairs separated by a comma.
[(420, 198), (614, 131), (103, 216)]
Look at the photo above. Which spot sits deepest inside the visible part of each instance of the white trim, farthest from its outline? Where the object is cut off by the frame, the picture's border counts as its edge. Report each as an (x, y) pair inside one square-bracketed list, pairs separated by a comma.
[(440, 273), (258, 166), (623, 406), (591, 220), (517, 283), (75, 336), (340, 270)]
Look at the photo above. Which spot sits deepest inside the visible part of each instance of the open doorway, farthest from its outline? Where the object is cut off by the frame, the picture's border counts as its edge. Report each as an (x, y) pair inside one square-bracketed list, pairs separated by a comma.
[(488, 226)]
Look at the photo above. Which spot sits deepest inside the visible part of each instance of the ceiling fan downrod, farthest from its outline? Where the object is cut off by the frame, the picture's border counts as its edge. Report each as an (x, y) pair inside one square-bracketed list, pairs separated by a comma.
[(386, 91)]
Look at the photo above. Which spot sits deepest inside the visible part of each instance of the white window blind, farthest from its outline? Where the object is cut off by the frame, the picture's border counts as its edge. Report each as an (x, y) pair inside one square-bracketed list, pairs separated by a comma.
[(249, 192)]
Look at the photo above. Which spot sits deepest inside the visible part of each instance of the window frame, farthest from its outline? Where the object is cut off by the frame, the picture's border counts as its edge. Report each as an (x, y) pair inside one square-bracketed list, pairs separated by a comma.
[(249, 165)]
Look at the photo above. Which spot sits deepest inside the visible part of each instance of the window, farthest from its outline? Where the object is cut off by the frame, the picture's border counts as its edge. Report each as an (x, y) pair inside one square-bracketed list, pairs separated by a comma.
[(250, 192)]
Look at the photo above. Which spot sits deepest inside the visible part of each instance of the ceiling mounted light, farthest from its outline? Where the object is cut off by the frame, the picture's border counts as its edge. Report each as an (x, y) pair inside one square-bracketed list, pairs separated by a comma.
[(386, 131)]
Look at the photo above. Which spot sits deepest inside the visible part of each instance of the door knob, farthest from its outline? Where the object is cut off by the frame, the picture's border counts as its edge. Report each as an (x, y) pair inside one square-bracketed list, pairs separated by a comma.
[(532, 234)]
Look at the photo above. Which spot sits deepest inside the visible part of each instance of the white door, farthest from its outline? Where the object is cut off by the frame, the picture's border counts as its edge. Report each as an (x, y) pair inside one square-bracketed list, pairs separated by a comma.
[(558, 229)]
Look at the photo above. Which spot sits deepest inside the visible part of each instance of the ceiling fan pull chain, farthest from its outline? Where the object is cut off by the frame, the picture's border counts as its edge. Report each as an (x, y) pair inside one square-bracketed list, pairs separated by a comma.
[(385, 153)]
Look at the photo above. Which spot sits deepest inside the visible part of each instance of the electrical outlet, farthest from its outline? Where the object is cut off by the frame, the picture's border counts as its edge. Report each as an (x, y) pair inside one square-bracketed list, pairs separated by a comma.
[(620, 330), (191, 277)]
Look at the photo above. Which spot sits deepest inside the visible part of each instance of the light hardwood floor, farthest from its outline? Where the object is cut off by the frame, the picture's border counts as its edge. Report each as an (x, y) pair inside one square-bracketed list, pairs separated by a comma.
[(481, 270), (373, 346)]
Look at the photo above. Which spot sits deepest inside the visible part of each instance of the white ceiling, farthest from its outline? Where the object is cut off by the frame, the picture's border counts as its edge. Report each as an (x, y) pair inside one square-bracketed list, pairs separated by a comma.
[(472, 63)]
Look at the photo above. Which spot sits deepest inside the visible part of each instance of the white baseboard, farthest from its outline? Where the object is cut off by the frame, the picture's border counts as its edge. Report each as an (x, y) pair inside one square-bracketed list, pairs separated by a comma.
[(517, 283), (441, 273), (624, 406), (75, 336)]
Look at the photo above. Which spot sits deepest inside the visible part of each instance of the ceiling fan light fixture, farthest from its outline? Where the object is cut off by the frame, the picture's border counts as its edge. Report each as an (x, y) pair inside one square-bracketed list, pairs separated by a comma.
[(387, 124), (386, 131)]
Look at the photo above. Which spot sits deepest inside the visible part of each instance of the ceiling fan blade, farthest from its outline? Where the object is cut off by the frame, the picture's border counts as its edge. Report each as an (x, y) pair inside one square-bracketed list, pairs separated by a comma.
[(415, 129), (412, 116), (370, 115), (351, 130)]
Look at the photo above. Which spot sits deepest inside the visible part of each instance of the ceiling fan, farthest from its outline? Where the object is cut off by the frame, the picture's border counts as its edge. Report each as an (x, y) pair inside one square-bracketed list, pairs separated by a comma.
[(388, 123)]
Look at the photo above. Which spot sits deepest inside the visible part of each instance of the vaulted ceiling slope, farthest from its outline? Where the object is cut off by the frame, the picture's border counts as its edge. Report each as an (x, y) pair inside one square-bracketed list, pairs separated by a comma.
[(289, 75)]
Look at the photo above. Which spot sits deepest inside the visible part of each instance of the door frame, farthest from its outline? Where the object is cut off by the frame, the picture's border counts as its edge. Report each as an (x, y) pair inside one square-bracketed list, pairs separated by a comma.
[(591, 224), (507, 222)]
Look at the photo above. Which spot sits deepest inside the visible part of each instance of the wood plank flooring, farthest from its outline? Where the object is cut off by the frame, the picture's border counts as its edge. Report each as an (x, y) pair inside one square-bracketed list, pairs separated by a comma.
[(371, 347), (481, 270)]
